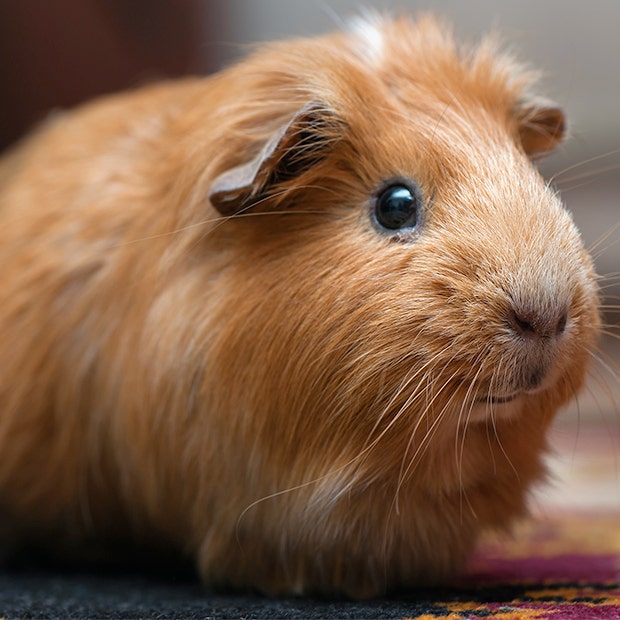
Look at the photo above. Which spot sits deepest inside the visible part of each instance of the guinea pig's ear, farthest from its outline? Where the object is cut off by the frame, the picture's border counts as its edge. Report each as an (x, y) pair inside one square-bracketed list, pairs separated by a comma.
[(541, 128), (295, 147)]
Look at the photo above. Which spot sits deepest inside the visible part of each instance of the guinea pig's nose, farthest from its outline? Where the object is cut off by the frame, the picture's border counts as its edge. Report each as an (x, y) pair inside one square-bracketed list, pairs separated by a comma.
[(532, 324)]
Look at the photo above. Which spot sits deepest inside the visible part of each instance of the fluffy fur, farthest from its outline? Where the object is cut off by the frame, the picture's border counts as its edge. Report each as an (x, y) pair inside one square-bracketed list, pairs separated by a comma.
[(206, 341)]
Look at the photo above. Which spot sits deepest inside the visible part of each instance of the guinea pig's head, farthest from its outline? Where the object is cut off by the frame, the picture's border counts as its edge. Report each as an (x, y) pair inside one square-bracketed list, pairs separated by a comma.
[(399, 263)]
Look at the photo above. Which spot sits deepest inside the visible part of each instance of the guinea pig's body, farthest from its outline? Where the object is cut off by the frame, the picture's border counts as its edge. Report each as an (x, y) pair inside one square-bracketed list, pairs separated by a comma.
[(225, 327)]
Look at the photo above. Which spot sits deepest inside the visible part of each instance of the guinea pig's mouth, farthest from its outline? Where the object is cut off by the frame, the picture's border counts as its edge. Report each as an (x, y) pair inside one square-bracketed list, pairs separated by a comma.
[(498, 400)]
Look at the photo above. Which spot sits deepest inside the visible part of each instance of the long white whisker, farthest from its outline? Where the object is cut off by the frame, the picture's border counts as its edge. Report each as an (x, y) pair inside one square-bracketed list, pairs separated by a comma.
[(589, 174), (469, 403), (580, 164), (496, 434), (425, 442)]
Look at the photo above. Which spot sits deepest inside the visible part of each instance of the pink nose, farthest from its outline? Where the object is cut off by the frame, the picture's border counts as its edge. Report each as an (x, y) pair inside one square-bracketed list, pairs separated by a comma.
[(546, 324)]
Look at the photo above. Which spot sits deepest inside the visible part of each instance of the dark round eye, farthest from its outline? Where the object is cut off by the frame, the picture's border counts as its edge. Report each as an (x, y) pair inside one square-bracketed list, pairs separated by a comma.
[(397, 207)]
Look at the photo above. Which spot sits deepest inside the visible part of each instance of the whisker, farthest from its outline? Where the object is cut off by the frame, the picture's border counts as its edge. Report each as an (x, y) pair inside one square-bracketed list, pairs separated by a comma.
[(594, 248), (469, 403), (580, 164), (610, 283), (606, 362), (609, 333), (591, 173), (415, 393), (603, 386), (425, 442), (499, 441), (491, 419), (244, 213), (359, 456), (607, 276)]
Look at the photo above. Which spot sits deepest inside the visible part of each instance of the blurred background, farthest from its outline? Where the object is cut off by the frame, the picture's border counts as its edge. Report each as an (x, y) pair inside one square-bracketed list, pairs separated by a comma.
[(56, 54)]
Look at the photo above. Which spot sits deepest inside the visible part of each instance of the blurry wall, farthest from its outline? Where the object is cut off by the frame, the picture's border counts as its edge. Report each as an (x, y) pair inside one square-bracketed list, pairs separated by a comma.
[(57, 53)]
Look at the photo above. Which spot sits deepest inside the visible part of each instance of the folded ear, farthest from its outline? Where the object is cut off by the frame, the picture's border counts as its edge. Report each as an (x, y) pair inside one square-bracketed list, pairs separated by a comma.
[(541, 128), (297, 146)]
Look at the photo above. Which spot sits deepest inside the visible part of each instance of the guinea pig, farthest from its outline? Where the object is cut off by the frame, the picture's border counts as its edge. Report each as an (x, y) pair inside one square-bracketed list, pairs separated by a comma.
[(307, 320)]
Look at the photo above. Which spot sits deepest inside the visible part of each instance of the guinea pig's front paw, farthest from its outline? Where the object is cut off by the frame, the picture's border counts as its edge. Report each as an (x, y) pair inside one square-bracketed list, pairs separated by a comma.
[(272, 572), (400, 555)]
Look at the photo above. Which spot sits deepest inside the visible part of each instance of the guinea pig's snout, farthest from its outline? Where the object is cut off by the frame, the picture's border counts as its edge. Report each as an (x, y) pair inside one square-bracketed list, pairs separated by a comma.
[(537, 324), (537, 330)]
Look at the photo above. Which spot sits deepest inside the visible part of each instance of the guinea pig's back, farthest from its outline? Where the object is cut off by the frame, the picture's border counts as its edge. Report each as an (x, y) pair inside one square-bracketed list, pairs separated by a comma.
[(77, 200)]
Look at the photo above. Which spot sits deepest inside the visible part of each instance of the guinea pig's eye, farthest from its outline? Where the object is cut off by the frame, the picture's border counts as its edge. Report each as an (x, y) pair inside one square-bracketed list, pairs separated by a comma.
[(396, 207)]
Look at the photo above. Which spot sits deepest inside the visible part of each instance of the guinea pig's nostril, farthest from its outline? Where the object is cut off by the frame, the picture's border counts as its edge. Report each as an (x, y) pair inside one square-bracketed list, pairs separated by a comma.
[(522, 323)]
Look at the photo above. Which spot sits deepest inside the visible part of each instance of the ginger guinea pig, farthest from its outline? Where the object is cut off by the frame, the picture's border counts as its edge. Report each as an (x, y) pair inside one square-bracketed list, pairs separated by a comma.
[(307, 320)]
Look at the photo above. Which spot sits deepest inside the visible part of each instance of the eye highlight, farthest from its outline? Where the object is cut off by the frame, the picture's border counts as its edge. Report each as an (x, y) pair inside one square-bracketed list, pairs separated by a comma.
[(397, 207)]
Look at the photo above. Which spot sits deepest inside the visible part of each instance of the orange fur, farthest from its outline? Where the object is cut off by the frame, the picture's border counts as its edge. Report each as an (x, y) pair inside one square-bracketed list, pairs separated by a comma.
[(279, 389)]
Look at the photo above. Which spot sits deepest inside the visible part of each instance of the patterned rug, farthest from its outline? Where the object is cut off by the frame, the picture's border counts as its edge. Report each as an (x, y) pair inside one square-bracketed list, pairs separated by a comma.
[(565, 563), (563, 567)]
